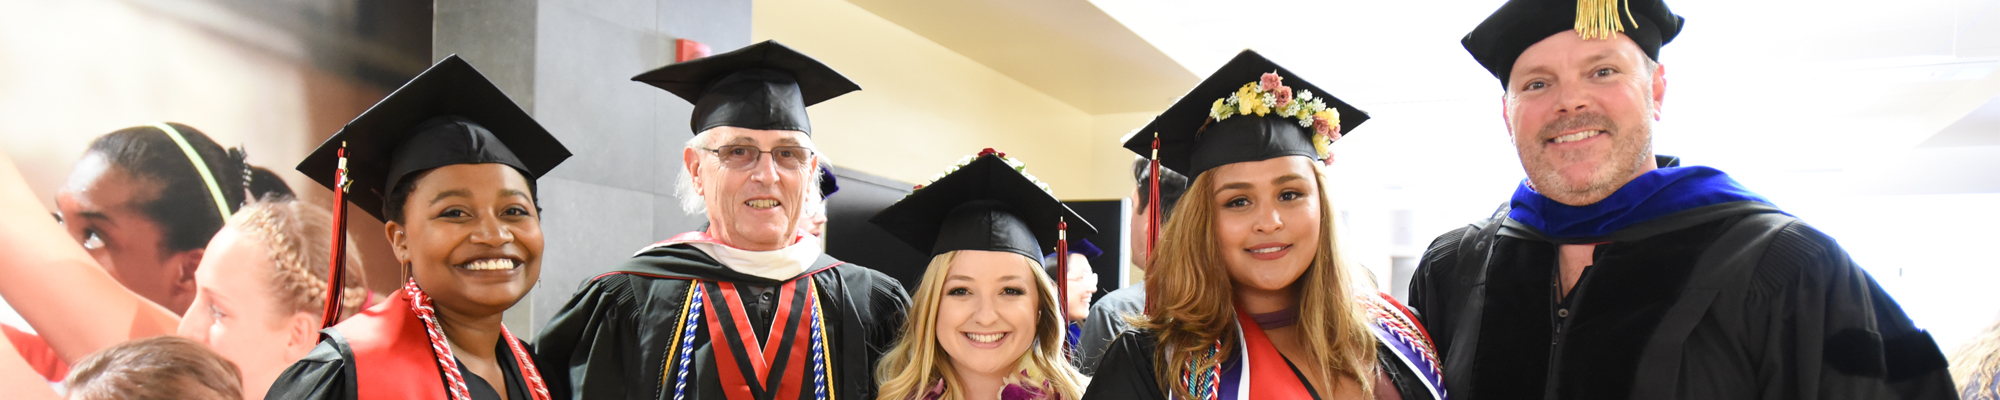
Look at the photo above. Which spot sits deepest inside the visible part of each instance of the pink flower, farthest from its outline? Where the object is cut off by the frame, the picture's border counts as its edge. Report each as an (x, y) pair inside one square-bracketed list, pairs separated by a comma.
[(1284, 95), (1326, 128), (1270, 81)]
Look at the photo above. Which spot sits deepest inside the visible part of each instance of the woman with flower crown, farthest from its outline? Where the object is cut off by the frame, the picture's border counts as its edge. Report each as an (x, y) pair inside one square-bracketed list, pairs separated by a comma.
[(1252, 298), (449, 164), (985, 323)]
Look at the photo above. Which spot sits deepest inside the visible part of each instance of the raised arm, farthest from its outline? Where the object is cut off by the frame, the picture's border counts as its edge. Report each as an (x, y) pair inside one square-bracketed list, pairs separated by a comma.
[(76, 306)]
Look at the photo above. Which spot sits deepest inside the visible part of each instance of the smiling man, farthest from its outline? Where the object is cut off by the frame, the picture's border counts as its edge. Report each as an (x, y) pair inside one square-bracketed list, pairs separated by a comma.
[(748, 307), (1615, 273)]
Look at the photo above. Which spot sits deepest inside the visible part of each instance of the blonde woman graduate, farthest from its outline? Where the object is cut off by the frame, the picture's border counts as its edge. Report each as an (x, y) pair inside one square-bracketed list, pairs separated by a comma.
[(449, 164), (986, 322), (1248, 294)]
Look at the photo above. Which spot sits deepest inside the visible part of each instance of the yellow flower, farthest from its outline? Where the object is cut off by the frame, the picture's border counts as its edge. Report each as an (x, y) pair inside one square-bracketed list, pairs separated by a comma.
[(1332, 117), (1319, 145), (1247, 101)]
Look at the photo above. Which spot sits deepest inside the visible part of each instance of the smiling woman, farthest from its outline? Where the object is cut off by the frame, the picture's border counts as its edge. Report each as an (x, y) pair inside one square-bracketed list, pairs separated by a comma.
[(1263, 304), (448, 163), (984, 324)]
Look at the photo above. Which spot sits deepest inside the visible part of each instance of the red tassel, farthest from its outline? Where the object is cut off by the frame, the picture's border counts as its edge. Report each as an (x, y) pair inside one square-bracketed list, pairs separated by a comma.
[(1153, 203), (336, 268), (1062, 279)]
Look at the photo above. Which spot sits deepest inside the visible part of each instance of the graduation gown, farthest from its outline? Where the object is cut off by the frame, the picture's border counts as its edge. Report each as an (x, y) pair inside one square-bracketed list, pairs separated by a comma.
[(1126, 371), (1402, 351), (1726, 301), (613, 340), (395, 358)]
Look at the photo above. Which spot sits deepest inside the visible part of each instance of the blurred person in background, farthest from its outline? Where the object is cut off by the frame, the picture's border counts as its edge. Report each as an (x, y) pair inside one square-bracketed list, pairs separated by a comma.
[(260, 288), (156, 368), (1111, 315)]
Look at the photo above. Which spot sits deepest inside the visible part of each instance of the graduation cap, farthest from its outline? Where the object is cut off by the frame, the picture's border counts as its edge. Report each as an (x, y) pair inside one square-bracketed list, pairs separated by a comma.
[(1251, 109), (1192, 140), (764, 86), (988, 204), (1518, 24), (450, 114)]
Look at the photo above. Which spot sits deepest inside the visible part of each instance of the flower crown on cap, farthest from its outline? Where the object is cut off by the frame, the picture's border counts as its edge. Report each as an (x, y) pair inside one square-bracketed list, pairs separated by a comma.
[(1268, 95), (967, 160)]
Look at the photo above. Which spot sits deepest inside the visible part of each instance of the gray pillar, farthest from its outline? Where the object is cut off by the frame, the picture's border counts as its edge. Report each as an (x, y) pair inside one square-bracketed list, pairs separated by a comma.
[(570, 63)]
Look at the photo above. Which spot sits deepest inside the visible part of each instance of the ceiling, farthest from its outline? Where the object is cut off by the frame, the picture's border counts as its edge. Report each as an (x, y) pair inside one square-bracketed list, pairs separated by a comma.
[(1068, 49), (1838, 90)]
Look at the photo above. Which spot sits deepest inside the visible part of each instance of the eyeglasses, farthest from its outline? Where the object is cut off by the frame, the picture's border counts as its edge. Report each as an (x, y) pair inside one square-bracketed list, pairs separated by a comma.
[(742, 156)]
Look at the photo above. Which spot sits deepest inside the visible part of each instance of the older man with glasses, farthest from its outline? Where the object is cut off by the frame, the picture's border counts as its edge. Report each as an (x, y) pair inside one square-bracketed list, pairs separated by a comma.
[(749, 307)]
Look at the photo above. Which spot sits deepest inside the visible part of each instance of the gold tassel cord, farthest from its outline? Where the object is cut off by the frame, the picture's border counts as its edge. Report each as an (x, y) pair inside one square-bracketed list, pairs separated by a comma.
[(1598, 19)]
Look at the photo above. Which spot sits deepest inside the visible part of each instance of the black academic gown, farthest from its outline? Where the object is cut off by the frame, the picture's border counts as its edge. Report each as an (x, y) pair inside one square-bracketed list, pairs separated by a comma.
[(328, 373), (1126, 372), (1728, 301), (611, 341)]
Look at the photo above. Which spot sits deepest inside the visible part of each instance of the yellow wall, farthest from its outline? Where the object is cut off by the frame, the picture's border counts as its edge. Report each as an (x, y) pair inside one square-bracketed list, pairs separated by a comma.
[(923, 106)]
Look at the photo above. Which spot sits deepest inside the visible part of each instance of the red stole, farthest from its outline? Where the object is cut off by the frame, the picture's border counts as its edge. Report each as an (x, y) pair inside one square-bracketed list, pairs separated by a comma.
[(392, 355), (772, 370), (1270, 377)]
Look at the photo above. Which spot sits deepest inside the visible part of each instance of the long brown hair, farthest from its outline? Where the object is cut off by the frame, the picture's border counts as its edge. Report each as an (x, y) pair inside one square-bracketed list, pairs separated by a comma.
[(1190, 298), (917, 360)]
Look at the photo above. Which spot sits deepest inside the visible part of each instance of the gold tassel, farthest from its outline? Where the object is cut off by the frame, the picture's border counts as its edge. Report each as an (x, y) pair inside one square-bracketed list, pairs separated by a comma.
[(1598, 19)]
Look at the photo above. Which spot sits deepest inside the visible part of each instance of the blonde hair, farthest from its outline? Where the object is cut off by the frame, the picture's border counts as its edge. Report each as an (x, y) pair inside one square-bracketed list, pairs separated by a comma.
[(300, 237), (1976, 363), (1192, 303), (917, 360)]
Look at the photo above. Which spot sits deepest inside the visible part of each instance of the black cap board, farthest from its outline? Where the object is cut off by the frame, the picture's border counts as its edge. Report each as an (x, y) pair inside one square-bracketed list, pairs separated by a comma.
[(986, 204), (1192, 140), (1499, 40), (764, 86), (449, 114)]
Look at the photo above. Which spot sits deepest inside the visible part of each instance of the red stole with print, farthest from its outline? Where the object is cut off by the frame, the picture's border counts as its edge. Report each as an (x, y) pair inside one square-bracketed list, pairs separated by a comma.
[(1272, 377)]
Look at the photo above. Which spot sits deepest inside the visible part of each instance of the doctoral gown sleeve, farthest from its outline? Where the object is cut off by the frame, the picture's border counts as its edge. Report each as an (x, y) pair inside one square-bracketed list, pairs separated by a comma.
[(1833, 330), (888, 305), (326, 373), (1432, 288), (595, 347), (1126, 372)]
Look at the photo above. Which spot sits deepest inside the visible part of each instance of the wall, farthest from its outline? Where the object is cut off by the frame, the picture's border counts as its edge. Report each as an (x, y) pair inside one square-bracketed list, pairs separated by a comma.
[(923, 106), (570, 63)]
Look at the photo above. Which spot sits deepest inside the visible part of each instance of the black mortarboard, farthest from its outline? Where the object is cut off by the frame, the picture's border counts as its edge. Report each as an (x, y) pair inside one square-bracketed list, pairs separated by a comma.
[(1191, 141), (764, 86), (984, 205), (1500, 39), (449, 114)]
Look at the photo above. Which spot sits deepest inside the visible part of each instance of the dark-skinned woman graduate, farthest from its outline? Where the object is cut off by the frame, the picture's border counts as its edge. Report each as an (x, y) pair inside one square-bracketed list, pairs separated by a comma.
[(1250, 296), (449, 164)]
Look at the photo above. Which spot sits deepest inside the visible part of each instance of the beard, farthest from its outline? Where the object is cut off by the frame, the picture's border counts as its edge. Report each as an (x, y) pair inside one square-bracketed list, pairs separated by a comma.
[(1626, 158)]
